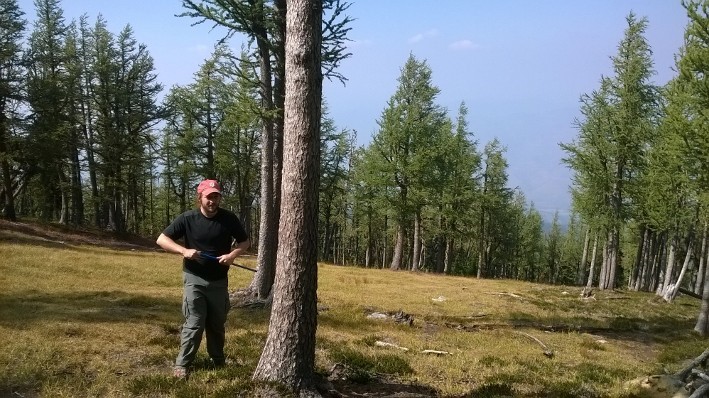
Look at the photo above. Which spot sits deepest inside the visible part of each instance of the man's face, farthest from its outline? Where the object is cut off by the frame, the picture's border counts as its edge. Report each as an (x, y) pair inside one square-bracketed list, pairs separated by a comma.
[(210, 203)]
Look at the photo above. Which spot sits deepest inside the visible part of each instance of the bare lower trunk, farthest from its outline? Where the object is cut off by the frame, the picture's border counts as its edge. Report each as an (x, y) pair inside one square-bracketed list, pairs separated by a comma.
[(447, 258), (268, 228), (417, 243), (671, 290), (669, 268), (699, 283), (398, 248), (582, 264), (288, 356), (602, 275), (702, 325), (593, 261)]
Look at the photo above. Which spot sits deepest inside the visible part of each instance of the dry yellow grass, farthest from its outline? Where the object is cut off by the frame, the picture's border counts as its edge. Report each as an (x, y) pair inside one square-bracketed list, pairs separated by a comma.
[(92, 321)]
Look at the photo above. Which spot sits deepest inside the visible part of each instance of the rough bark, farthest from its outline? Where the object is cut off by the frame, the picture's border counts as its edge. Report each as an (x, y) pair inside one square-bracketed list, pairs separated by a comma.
[(289, 353)]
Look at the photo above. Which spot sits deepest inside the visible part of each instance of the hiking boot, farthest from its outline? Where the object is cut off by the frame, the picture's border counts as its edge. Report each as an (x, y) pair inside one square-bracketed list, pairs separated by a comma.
[(180, 372)]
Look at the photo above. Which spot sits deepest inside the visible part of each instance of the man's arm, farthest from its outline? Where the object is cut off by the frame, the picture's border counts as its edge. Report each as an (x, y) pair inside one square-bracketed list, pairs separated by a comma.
[(171, 246), (240, 249)]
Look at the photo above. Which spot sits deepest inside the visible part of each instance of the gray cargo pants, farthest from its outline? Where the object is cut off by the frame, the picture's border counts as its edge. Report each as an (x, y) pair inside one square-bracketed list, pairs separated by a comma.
[(205, 305)]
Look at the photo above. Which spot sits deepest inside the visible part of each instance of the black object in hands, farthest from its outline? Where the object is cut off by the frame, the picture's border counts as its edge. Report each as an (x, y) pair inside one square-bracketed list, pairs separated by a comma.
[(208, 256)]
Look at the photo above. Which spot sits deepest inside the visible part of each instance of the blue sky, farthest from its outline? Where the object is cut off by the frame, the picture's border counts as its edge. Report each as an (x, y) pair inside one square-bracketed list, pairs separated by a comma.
[(519, 65)]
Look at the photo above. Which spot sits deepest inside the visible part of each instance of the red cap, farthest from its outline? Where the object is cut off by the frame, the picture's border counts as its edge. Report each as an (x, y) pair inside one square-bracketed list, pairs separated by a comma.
[(209, 186)]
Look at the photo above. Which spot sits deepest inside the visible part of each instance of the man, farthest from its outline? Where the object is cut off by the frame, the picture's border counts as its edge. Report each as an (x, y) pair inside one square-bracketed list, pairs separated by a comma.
[(208, 234)]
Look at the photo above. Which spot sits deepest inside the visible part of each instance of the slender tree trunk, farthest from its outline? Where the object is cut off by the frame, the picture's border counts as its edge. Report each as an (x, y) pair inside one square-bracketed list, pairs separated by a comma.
[(613, 255), (658, 255), (699, 283), (702, 325), (417, 242), (398, 248), (582, 264), (635, 274), (8, 210), (669, 269), (385, 245), (447, 257), (593, 261), (603, 274), (645, 261), (671, 291), (289, 353), (268, 229)]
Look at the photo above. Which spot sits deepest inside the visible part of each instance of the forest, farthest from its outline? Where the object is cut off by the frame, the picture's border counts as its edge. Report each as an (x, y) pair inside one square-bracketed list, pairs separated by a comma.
[(90, 137)]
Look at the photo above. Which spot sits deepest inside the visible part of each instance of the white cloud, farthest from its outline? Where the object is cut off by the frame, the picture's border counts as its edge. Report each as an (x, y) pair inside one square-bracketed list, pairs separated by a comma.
[(461, 45), (425, 35)]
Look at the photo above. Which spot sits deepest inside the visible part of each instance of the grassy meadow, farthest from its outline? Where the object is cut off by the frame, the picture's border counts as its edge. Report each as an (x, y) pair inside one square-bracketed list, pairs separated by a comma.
[(89, 321)]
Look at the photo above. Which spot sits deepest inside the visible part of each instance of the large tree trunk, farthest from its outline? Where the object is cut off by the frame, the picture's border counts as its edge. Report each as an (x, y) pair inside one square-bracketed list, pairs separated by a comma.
[(289, 353)]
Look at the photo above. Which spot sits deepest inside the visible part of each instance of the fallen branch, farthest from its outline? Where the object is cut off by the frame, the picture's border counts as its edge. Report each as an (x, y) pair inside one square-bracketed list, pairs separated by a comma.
[(684, 373), (700, 392), (690, 293), (507, 294), (547, 352), (700, 374), (436, 352), (385, 344)]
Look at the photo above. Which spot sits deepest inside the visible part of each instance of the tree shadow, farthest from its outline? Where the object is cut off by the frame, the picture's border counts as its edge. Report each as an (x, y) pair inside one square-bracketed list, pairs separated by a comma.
[(20, 310)]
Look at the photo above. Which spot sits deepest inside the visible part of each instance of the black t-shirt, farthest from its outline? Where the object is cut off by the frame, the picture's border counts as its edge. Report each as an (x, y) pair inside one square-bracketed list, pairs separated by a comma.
[(211, 236)]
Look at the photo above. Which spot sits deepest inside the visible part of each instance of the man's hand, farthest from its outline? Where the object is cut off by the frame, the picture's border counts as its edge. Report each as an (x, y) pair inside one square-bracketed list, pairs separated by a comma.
[(190, 254)]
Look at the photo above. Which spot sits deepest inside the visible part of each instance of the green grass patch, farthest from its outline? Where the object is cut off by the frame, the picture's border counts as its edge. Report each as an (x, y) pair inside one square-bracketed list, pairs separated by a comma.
[(86, 321)]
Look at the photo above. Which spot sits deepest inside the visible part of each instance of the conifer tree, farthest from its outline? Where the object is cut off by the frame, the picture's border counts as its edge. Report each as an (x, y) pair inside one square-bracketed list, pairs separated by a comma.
[(11, 28)]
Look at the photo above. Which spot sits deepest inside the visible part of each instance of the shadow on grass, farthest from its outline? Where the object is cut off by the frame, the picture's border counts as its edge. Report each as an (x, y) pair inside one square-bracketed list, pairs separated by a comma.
[(656, 328), (22, 309), (584, 380)]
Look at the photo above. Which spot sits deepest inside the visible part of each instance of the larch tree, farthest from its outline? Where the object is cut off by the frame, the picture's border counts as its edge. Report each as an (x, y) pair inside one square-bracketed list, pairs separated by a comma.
[(288, 356), (263, 22), (694, 72), (493, 208), (11, 27), (609, 152), (409, 127), (46, 100)]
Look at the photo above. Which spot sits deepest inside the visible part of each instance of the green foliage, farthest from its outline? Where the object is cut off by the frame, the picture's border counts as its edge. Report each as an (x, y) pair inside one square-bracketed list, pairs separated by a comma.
[(11, 27)]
